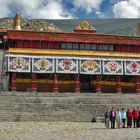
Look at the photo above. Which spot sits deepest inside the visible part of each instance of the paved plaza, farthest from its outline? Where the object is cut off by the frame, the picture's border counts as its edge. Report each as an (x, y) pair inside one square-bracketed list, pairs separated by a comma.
[(64, 131)]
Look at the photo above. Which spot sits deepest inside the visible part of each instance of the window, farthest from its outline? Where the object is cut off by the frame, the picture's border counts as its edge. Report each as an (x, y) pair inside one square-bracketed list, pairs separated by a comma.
[(69, 46), (100, 47), (111, 48), (93, 47), (44, 44), (87, 46), (75, 46), (105, 47), (82, 46), (19, 43), (63, 46)]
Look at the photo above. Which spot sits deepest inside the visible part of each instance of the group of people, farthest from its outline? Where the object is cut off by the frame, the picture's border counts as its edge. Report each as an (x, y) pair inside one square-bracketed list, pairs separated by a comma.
[(122, 118)]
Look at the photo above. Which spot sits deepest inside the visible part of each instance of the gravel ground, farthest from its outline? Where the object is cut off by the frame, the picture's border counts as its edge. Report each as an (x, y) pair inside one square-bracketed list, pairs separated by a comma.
[(64, 131)]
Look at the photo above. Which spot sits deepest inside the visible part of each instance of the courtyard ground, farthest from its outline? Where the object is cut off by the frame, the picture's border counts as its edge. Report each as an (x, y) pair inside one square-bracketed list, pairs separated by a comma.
[(64, 131)]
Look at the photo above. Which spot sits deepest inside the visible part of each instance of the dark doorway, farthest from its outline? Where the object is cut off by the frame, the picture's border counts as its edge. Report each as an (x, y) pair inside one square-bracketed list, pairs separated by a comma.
[(86, 84)]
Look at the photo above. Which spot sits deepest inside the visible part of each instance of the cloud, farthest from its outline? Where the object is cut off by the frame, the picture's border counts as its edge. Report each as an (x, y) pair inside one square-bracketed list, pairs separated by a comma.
[(100, 14), (127, 9), (50, 9), (88, 5)]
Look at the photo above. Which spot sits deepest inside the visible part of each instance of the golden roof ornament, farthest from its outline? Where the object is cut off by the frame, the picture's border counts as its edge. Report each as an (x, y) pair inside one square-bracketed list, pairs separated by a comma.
[(17, 22), (85, 26)]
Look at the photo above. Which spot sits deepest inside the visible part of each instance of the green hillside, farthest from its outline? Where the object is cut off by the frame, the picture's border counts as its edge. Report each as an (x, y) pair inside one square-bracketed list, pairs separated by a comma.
[(109, 26)]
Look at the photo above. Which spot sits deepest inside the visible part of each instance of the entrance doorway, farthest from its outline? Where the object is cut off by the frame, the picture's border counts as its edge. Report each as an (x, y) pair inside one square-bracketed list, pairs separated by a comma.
[(85, 83)]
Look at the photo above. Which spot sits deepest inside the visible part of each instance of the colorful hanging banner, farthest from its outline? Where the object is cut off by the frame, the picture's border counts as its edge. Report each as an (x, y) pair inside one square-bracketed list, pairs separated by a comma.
[(113, 67), (90, 66), (66, 65), (19, 64), (43, 65), (132, 67)]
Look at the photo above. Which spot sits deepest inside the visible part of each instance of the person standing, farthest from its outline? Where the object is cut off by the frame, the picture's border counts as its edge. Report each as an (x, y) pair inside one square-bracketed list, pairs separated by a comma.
[(112, 117), (118, 117), (123, 117), (135, 117), (129, 118), (107, 118)]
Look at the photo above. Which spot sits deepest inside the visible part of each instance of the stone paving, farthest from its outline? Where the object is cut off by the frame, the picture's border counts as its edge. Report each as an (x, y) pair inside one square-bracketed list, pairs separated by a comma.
[(64, 131)]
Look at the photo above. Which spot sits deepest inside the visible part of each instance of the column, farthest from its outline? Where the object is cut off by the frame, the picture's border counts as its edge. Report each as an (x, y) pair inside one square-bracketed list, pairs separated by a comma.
[(98, 84), (55, 84), (77, 84), (137, 84), (118, 84), (13, 82), (34, 82)]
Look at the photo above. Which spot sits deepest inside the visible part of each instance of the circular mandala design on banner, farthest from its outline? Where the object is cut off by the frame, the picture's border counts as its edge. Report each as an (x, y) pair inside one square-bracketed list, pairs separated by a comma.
[(113, 66), (133, 67)]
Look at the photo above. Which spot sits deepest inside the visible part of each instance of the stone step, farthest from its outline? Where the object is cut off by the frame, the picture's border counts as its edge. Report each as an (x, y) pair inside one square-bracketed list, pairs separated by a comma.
[(84, 95), (67, 101), (50, 94), (75, 100)]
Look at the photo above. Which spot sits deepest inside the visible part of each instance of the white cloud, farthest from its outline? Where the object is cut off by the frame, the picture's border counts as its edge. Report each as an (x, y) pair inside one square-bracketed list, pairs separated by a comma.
[(127, 9), (100, 14), (50, 9), (88, 5)]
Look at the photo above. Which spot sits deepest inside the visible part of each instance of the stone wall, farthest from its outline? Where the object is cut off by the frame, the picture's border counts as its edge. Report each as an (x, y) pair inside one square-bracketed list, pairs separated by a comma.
[(26, 106), (4, 79)]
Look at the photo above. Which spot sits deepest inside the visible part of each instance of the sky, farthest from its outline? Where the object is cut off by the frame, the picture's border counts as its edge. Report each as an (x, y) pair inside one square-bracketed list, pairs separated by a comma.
[(70, 9)]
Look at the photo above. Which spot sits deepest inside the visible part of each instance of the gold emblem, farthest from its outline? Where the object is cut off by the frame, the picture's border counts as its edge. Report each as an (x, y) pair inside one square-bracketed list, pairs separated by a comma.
[(85, 25)]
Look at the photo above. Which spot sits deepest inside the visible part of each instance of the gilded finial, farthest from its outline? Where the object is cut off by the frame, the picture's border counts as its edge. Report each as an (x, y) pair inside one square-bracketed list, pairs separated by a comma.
[(17, 22)]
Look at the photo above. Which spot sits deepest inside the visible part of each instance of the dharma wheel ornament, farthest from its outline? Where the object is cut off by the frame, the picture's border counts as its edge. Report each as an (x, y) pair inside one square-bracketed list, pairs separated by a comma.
[(85, 26)]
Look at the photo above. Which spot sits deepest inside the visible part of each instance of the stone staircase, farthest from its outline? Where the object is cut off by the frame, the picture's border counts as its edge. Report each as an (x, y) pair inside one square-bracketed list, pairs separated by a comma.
[(28, 106)]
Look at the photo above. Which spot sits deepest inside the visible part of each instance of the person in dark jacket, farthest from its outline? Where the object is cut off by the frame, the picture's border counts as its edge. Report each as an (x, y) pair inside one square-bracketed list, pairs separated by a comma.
[(112, 117), (107, 118)]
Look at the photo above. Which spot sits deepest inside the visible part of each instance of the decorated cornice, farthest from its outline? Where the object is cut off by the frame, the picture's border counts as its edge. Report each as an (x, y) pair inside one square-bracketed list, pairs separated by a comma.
[(74, 53), (73, 37)]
